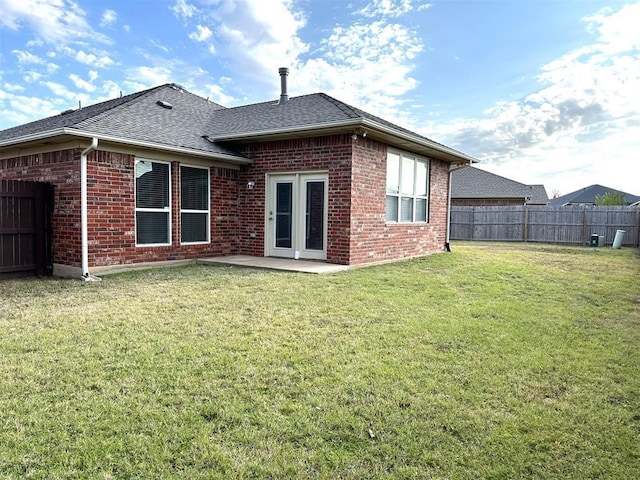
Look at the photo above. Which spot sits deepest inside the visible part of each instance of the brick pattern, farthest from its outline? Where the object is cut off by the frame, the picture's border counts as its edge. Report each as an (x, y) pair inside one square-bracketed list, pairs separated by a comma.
[(62, 169), (111, 208), (374, 240), (357, 231), (329, 153)]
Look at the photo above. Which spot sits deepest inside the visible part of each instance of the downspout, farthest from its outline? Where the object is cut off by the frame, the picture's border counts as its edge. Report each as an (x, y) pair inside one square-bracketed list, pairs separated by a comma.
[(84, 223), (447, 245)]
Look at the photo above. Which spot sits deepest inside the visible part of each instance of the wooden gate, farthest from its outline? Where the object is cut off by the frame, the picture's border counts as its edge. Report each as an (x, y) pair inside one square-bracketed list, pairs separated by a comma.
[(25, 228)]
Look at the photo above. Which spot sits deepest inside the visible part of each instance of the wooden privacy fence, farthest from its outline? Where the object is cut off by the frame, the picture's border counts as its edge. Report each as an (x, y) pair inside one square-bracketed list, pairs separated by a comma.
[(25, 227), (570, 225)]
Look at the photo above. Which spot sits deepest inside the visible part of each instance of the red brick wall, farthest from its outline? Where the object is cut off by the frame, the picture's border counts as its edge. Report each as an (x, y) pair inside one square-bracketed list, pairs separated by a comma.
[(357, 231), (62, 169), (111, 208), (330, 153), (372, 239), (111, 201)]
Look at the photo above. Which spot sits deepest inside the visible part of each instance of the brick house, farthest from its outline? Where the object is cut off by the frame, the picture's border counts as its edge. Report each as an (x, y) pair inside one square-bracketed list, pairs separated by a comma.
[(473, 187), (163, 175)]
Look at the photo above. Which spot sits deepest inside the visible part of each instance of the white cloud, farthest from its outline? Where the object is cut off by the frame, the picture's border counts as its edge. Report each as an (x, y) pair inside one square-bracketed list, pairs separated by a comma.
[(256, 37), (367, 65), (582, 124), (201, 34), (60, 90), (109, 17), (81, 83), (12, 87), (140, 78), (27, 58), (53, 21), (92, 60), (31, 76), (21, 108), (216, 94), (390, 8), (184, 10)]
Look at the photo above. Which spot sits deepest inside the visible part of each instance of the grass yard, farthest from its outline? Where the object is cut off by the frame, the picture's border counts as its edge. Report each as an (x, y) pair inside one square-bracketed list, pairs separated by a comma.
[(495, 361)]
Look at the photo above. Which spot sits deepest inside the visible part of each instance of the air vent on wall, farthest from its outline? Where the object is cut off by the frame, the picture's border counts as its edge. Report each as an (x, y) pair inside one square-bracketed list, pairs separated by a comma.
[(164, 104)]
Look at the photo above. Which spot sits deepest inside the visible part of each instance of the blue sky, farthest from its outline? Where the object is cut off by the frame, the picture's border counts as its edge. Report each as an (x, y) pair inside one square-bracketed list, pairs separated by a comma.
[(540, 91)]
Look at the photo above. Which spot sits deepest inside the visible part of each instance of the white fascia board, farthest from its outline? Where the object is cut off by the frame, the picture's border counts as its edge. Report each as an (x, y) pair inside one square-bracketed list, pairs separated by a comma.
[(126, 141), (414, 138), (351, 123), (33, 137), (356, 122)]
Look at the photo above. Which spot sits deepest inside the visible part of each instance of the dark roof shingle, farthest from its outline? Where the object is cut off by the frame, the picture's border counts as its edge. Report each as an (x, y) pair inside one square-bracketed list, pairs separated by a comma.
[(471, 182), (587, 196)]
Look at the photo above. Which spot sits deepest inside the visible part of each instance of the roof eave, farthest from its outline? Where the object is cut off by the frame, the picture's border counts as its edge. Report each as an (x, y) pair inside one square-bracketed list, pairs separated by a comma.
[(126, 141), (374, 129)]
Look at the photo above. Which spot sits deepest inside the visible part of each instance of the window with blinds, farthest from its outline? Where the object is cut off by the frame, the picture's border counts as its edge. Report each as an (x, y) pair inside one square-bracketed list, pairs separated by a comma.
[(194, 204), (153, 203)]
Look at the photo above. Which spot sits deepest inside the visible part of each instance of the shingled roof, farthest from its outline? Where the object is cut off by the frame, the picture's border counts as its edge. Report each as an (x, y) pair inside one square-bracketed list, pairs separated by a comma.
[(587, 196), (170, 117), (138, 118), (471, 182)]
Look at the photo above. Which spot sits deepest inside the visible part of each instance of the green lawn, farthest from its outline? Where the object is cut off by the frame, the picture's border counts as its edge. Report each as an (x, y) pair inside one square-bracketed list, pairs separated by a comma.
[(494, 361)]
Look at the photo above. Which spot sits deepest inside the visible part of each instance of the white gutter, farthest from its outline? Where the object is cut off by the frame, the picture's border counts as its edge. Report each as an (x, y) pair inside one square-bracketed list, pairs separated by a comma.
[(84, 224), (447, 244)]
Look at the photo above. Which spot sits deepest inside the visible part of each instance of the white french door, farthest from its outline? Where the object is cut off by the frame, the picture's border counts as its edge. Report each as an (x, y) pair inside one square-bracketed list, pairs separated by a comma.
[(296, 216)]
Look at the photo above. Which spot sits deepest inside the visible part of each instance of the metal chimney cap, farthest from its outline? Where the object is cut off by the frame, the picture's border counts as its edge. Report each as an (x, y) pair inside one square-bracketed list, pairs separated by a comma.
[(284, 97)]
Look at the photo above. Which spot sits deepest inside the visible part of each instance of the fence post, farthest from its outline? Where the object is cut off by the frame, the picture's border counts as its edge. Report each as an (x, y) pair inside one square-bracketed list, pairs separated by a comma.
[(585, 238), (638, 227), (526, 224), (473, 223)]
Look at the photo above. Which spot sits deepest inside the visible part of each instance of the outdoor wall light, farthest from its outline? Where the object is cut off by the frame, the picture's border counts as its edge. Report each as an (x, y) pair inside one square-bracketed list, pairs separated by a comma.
[(250, 185), (362, 133)]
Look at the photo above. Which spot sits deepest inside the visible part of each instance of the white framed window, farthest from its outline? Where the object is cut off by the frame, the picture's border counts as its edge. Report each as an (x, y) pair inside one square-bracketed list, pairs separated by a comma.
[(153, 202), (194, 204), (407, 188)]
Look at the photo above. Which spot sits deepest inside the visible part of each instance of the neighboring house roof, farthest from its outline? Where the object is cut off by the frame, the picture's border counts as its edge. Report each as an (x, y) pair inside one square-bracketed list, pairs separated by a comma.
[(587, 196), (471, 182), (196, 125)]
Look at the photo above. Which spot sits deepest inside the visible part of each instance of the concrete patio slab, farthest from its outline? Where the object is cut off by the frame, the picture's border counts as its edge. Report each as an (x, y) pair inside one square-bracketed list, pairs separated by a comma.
[(290, 265)]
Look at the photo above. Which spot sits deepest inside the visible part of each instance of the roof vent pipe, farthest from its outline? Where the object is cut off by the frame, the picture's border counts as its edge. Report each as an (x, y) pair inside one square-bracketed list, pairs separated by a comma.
[(283, 85)]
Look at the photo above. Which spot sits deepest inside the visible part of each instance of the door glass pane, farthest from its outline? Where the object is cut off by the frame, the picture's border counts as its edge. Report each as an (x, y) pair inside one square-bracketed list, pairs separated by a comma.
[(314, 228), (284, 199)]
